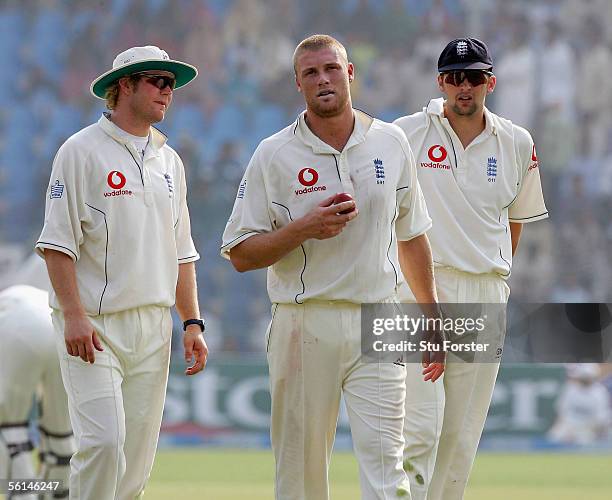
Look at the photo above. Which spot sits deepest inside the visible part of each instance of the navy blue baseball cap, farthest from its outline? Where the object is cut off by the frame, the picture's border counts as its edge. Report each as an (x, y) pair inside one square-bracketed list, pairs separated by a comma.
[(465, 53)]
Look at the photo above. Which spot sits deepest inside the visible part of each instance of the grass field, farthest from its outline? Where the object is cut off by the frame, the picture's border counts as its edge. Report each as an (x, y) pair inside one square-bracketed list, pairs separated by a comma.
[(233, 475), (217, 474)]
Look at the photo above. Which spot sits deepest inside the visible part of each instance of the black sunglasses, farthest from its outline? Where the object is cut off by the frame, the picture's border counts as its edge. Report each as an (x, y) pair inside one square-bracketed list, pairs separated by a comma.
[(159, 81), (474, 77)]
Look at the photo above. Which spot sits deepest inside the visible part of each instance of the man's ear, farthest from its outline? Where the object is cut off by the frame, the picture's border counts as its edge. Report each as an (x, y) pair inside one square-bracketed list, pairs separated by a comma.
[(491, 84), (126, 85)]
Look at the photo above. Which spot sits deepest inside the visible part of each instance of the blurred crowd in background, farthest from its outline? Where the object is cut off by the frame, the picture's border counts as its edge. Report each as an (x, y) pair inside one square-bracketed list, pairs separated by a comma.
[(552, 60)]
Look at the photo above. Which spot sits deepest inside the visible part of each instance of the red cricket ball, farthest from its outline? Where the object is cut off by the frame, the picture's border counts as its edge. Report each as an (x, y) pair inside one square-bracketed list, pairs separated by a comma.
[(340, 197)]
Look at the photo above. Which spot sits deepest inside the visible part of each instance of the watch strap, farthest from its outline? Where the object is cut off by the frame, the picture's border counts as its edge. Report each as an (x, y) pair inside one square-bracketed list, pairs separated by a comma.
[(194, 321)]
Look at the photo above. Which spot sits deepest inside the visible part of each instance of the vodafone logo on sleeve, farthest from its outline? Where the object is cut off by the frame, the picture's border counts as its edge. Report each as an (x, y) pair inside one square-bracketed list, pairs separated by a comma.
[(116, 180), (308, 177), (436, 155), (534, 159)]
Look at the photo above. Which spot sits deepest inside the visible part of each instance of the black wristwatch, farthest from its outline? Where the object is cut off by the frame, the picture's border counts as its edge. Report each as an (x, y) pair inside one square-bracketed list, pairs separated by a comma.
[(199, 322)]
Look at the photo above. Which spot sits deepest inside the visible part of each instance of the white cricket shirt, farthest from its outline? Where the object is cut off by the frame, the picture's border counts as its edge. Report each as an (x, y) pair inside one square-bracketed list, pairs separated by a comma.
[(123, 219), (473, 193), (293, 171)]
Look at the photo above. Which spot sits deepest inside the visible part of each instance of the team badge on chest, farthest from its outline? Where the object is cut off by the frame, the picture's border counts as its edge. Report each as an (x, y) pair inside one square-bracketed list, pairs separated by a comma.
[(169, 183), (379, 170), (491, 169)]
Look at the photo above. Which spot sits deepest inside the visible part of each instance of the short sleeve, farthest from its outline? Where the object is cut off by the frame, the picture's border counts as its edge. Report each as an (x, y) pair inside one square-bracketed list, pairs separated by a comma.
[(528, 206), (64, 207), (413, 218), (250, 214), (185, 249)]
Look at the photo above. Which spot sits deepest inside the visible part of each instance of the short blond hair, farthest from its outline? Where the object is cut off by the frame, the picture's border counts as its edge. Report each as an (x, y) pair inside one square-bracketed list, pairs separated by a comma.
[(111, 94), (318, 42)]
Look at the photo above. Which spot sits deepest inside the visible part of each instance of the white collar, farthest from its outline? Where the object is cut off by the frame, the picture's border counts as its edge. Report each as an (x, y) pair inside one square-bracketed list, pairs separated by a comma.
[(363, 122), (157, 140), (436, 108)]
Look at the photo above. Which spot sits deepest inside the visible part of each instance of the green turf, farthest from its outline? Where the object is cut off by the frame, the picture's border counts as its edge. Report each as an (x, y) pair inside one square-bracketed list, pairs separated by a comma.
[(231, 475)]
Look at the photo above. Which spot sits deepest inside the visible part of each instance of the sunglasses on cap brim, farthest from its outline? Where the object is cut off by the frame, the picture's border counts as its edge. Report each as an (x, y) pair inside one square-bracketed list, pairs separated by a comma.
[(159, 81), (474, 77)]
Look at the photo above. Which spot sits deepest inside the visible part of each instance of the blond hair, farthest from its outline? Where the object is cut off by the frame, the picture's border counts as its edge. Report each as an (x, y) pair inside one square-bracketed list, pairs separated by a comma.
[(111, 94), (318, 42)]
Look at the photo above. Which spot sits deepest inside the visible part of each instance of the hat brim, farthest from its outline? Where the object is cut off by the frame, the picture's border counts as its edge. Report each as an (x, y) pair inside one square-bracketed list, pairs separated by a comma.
[(183, 73), (465, 65)]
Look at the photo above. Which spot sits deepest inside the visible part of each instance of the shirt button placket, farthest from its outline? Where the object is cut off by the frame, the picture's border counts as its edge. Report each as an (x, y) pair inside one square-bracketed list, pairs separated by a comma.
[(148, 187), (345, 174)]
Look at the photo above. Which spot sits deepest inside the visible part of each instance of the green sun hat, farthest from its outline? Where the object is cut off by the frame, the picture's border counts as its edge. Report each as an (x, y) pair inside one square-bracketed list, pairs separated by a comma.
[(139, 59)]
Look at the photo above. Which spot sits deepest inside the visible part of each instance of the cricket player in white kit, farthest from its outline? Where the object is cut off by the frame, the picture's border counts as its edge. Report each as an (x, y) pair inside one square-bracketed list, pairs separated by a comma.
[(322, 264), (479, 174), (29, 371), (118, 247)]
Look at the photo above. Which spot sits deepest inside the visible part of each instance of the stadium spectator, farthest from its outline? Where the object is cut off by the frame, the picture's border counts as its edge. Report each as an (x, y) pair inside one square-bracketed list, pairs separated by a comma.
[(594, 60), (516, 93)]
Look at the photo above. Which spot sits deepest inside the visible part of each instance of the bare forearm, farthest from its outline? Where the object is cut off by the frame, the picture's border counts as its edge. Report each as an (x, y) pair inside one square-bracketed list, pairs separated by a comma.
[(187, 292), (62, 273), (417, 266), (326, 220), (515, 234), (263, 250)]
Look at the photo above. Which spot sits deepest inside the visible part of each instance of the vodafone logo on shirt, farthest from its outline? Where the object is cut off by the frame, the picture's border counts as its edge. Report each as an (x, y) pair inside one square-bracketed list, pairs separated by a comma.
[(116, 180), (308, 177), (436, 154)]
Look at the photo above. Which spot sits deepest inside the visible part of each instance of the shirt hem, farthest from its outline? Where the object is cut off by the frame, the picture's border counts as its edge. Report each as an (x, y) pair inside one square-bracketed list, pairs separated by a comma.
[(225, 249), (414, 235), (41, 245), (524, 220)]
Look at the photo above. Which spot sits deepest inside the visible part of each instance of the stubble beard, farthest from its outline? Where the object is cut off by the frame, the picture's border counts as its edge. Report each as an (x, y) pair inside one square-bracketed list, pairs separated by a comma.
[(329, 112), (154, 117), (465, 112), (148, 115)]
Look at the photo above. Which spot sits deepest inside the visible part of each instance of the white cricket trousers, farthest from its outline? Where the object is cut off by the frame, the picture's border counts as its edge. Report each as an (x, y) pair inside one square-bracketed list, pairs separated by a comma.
[(314, 355), (444, 420), (29, 367), (116, 404)]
